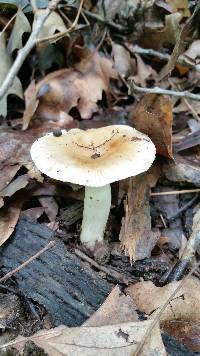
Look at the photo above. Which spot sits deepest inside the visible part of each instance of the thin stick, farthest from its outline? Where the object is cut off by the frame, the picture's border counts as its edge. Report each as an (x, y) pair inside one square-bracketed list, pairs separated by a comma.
[(110, 272), (39, 19), (158, 316), (194, 113), (60, 35), (157, 90), (185, 191), (163, 56), (98, 18), (24, 264), (9, 22)]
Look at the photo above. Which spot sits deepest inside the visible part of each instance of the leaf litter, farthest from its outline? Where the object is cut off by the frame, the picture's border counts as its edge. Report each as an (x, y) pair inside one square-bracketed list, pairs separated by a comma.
[(91, 90)]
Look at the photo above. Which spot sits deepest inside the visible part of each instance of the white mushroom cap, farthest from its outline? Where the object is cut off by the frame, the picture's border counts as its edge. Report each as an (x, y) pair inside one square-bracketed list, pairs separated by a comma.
[(95, 157)]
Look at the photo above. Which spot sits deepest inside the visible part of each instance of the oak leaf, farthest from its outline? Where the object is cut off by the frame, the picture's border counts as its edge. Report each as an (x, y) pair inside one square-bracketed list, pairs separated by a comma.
[(81, 86), (153, 116)]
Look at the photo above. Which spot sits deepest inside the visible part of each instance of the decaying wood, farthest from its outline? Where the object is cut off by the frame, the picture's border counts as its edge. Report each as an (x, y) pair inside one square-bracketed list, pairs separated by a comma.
[(68, 288)]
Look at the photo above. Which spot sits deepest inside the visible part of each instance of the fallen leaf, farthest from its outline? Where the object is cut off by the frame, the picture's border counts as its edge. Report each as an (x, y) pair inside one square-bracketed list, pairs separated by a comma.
[(193, 51), (31, 102), (18, 183), (187, 332), (81, 87), (183, 38), (124, 64), (136, 235), (181, 6), (113, 340), (6, 63), (8, 219), (33, 213), (188, 141), (153, 116), (15, 153), (144, 72), (50, 207), (111, 8), (184, 306), (184, 169), (168, 35), (117, 308), (53, 23), (182, 107), (174, 237), (20, 27), (181, 317)]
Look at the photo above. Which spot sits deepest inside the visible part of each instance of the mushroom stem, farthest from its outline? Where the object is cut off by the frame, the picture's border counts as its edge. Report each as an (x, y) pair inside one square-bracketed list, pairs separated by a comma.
[(97, 205)]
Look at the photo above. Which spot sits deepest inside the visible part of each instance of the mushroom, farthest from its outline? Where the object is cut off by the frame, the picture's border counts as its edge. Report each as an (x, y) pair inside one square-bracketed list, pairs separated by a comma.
[(94, 158)]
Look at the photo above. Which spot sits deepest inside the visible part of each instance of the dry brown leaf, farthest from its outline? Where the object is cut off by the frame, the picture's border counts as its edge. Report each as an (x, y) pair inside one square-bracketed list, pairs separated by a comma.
[(168, 35), (124, 64), (117, 308), (181, 6), (144, 72), (50, 207), (81, 87), (8, 219), (181, 317), (187, 332), (15, 153), (112, 340), (136, 235), (183, 38), (184, 169), (21, 26), (31, 104), (153, 116), (182, 107), (18, 183), (53, 23), (184, 306), (193, 51)]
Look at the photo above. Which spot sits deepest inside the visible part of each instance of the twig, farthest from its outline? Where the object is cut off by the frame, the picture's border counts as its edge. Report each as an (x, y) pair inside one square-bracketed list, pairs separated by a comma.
[(39, 19), (110, 272), (163, 56), (104, 21), (184, 191), (189, 106), (9, 22), (60, 35), (158, 316), (157, 90), (24, 264), (183, 208)]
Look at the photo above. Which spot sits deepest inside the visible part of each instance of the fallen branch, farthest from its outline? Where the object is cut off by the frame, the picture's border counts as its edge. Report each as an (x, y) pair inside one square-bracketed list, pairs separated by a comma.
[(39, 19), (109, 271), (157, 90)]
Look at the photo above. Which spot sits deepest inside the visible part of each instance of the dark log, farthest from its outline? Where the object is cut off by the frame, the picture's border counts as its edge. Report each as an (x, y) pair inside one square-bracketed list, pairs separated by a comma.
[(67, 287)]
